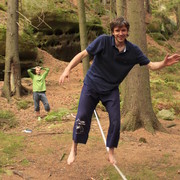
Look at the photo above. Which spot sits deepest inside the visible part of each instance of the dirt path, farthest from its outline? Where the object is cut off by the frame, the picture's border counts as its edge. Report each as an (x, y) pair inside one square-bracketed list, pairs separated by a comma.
[(48, 145)]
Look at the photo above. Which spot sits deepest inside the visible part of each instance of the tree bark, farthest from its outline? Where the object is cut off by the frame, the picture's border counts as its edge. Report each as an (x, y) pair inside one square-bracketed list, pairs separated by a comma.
[(12, 63), (178, 16), (120, 8), (137, 108), (112, 11), (148, 7), (83, 33)]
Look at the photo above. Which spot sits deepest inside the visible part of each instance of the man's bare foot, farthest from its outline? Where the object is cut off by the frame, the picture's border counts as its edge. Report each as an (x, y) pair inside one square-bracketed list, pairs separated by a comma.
[(71, 157), (111, 158), (73, 153)]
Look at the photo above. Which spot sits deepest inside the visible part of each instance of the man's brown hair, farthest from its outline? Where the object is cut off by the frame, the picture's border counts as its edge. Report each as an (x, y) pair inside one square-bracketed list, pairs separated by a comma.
[(119, 22)]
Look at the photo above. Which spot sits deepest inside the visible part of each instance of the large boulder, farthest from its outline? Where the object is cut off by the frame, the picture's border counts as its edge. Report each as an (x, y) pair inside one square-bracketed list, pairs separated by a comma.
[(161, 24), (58, 33)]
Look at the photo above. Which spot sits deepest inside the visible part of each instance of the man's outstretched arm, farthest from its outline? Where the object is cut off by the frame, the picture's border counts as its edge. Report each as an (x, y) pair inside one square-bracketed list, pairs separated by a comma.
[(168, 61), (73, 63)]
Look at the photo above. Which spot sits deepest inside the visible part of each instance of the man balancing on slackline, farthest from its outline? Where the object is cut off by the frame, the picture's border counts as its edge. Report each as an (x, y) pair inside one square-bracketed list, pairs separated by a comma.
[(114, 56)]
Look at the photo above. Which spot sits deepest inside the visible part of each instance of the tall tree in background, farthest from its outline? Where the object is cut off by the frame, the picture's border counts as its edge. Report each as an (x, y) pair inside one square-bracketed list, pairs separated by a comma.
[(12, 74), (83, 33), (104, 2), (112, 10), (120, 8), (178, 15), (137, 108), (148, 6)]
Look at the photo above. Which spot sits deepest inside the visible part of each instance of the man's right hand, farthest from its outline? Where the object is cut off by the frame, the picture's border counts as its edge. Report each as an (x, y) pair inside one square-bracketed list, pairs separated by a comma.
[(64, 75)]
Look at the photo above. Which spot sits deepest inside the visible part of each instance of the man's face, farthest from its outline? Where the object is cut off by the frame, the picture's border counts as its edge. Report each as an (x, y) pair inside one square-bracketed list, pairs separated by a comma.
[(38, 70), (120, 34)]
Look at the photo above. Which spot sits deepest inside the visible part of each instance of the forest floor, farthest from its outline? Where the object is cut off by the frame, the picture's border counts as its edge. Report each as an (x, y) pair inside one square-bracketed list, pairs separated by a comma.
[(46, 149)]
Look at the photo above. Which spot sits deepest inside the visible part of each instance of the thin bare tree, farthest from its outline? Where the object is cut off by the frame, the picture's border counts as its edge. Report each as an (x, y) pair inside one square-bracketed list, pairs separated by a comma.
[(12, 73), (83, 33)]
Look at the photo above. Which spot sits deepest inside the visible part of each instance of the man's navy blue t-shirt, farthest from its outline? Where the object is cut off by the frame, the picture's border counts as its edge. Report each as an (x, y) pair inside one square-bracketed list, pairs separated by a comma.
[(110, 66)]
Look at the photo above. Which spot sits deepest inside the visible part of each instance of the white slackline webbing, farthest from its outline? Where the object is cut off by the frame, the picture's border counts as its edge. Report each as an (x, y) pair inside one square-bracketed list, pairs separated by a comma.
[(102, 133)]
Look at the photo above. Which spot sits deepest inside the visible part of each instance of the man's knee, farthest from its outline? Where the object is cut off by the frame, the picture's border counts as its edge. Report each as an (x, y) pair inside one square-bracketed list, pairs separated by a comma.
[(47, 107)]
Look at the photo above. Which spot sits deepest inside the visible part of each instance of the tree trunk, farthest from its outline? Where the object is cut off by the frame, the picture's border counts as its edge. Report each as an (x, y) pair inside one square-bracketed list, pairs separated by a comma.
[(120, 8), (83, 33), (12, 63), (104, 2), (148, 7), (112, 11), (137, 108), (178, 16)]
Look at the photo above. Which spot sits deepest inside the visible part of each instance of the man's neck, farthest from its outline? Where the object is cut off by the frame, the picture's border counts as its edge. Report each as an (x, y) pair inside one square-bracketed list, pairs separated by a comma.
[(120, 46)]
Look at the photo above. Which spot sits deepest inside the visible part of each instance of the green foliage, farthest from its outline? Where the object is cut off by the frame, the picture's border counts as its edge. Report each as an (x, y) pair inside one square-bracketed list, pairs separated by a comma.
[(23, 104), (2, 7), (165, 84), (57, 115), (2, 30), (27, 34), (35, 6), (7, 119), (10, 145)]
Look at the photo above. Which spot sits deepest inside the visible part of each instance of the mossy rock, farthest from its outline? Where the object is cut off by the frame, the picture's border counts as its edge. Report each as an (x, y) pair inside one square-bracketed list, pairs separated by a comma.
[(154, 25), (166, 114), (55, 20), (62, 22), (27, 49), (60, 36)]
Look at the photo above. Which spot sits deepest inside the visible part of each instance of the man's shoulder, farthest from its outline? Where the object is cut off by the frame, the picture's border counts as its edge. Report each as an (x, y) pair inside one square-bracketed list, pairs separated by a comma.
[(131, 45), (104, 36)]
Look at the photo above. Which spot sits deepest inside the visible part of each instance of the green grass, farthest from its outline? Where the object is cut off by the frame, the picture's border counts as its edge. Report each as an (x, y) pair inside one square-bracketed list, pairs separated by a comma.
[(7, 119), (109, 173), (25, 162), (10, 145), (57, 115), (144, 173), (23, 104)]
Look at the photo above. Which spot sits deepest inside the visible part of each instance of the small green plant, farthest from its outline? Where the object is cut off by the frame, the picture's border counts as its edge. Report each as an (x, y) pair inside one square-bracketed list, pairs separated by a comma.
[(56, 115), (23, 104), (25, 162), (7, 119), (2, 7)]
